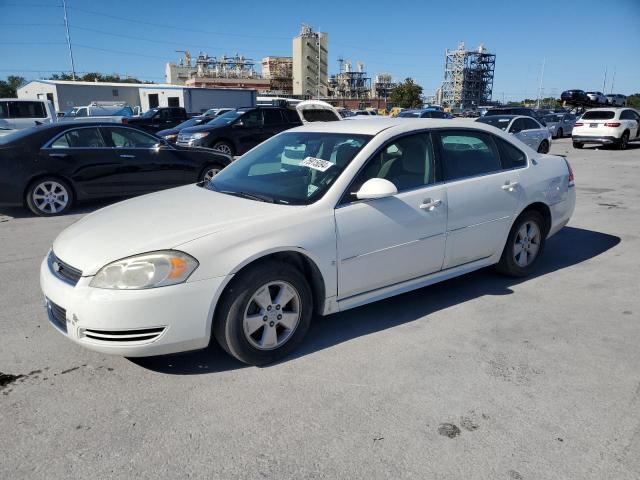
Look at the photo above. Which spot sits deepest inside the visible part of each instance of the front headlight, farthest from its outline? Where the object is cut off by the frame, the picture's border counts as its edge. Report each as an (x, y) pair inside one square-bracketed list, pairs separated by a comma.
[(149, 270), (199, 135), (171, 137)]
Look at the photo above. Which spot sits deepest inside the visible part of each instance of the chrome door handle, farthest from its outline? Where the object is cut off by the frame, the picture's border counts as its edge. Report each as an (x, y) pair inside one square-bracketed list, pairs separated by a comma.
[(430, 204), (127, 156), (510, 187), (58, 155)]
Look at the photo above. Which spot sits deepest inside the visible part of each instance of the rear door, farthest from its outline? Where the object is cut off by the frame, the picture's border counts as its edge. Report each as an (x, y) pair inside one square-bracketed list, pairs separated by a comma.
[(274, 123), (632, 120), (23, 114), (146, 165), (534, 132), (482, 196), (247, 130), (83, 155), (517, 129)]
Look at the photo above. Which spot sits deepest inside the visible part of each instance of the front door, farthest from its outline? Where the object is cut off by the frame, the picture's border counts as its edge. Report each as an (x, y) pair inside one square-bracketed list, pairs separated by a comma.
[(248, 131), (390, 240), (146, 165), (482, 196)]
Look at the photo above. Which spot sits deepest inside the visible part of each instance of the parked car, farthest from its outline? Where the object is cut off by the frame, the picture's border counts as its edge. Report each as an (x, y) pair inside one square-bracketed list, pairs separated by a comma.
[(617, 100), (526, 129), (171, 134), (358, 113), (560, 124), (607, 126), (159, 118), (115, 112), (49, 168), (597, 97), (216, 112), (423, 113), (250, 257), (574, 96), (237, 132), (17, 113), (523, 111), (317, 111)]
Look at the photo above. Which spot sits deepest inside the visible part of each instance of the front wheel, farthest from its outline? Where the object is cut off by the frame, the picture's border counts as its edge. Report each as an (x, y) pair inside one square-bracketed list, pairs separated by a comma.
[(224, 147), (578, 145), (560, 133), (50, 196), (524, 245), (264, 314), (543, 147)]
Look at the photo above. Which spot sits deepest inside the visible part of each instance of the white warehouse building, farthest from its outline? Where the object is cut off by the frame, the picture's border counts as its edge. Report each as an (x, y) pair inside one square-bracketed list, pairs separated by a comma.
[(66, 94)]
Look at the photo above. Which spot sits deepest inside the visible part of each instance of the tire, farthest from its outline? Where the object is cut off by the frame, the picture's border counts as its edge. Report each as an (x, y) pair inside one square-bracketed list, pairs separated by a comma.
[(49, 196), (247, 330), (543, 147), (224, 147), (624, 141), (519, 261), (560, 133), (578, 145), (209, 172)]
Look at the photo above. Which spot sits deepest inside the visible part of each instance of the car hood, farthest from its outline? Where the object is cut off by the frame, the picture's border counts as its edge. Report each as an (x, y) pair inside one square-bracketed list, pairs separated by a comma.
[(158, 221), (168, 131), (202, 128)]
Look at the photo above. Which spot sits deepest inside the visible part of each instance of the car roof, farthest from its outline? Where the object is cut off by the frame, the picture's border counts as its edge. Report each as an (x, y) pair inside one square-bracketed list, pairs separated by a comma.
[(505, 115), (374, 126)]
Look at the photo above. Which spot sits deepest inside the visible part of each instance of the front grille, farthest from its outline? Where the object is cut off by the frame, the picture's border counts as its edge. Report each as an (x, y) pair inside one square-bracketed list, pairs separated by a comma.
[(122, 336), (63, 271), (184, 139), (57, 316)]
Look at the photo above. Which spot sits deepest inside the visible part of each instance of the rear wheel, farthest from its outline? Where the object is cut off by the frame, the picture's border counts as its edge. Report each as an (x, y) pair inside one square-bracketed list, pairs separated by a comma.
[(49, 196), (560, 133), (624, 141), (524, 245), (543, 147), (209, 172), (264, 314), (223, 147), (578, 145)]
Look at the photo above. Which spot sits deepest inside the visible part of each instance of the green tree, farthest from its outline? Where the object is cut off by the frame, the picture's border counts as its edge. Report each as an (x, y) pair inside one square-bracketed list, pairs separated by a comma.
[(407, 94), (634, 100), (97, 77), (9, 87)]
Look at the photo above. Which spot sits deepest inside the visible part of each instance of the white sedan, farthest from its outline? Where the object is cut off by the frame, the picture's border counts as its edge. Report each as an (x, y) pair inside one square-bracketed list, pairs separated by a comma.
[(373, 209)]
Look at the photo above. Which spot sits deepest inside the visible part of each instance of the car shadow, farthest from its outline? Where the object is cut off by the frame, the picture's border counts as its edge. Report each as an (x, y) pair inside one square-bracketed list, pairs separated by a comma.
[(567, 248), (84, 208)]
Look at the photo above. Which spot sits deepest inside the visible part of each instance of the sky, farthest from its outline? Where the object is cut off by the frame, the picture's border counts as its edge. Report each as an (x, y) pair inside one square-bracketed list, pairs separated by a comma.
[(576, 41)]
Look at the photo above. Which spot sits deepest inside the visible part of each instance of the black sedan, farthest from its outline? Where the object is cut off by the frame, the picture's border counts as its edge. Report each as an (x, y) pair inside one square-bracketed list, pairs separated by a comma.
[(49, 167)]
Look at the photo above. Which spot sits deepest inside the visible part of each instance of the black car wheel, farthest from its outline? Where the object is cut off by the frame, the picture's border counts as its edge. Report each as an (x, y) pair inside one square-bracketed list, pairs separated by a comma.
[(264, 313), (624, 141), (543, 147), (560, 133), (49, 196), (578, 145), (209, 172), (223, 147)]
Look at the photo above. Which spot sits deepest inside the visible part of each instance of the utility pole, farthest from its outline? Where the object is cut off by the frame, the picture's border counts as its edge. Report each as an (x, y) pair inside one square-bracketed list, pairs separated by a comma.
[(66, 26), (604, 82), (544, 60), (319, 68), (613, 79)]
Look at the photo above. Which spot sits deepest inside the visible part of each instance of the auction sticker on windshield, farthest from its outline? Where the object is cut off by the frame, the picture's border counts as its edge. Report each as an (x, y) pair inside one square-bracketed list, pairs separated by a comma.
[(316, 163)]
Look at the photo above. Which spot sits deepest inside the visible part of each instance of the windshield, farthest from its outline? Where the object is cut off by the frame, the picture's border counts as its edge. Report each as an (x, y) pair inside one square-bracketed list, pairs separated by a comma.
[(499, 122), (553, 118), (226, 118), (293, 168), (409, 114), (599, 115), (150, 113), (189, 123)]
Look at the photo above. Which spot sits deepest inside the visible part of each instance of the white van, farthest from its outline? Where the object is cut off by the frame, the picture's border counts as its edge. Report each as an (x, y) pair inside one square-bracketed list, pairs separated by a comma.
[(18, 113)]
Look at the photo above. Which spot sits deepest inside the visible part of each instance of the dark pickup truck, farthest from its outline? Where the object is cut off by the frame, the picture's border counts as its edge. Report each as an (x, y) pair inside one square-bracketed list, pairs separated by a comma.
[(159, 118)]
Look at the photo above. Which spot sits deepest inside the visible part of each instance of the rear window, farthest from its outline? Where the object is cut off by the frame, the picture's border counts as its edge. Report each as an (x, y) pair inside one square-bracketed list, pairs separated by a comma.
[(319, 115), (409, 114), (499, 122), (599, 115)]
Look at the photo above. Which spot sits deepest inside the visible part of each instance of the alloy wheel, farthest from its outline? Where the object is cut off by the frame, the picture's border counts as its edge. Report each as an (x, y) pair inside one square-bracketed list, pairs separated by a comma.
[(526, 244), (50, 197), (210, 173), (272, 315), (223, 148)]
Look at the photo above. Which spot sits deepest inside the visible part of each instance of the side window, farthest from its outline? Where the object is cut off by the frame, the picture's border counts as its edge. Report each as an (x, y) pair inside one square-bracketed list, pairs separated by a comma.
[(81, 112), (272, 117), (4, 110), (162, 115), (530, 124), (130, 138), (467, 154), (627, 115), (80, 138), (27, 110), (407, 162), (511, 156), (292, 116), (252, 118)]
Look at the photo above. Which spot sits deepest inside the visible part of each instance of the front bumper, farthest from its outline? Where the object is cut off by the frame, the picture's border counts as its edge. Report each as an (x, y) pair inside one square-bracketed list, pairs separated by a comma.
[(594, 139), (132, 323)]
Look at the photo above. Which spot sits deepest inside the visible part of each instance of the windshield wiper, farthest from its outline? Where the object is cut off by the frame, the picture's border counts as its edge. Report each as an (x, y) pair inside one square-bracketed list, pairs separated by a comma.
[(250, 196)]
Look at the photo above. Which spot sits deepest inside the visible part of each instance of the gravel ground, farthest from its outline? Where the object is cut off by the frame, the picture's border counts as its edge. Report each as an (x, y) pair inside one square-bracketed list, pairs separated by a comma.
[(478, 377)]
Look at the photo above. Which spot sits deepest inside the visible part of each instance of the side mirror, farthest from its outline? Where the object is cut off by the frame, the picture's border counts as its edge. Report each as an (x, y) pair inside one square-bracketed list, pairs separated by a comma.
[(239, 123), (376, 188)]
